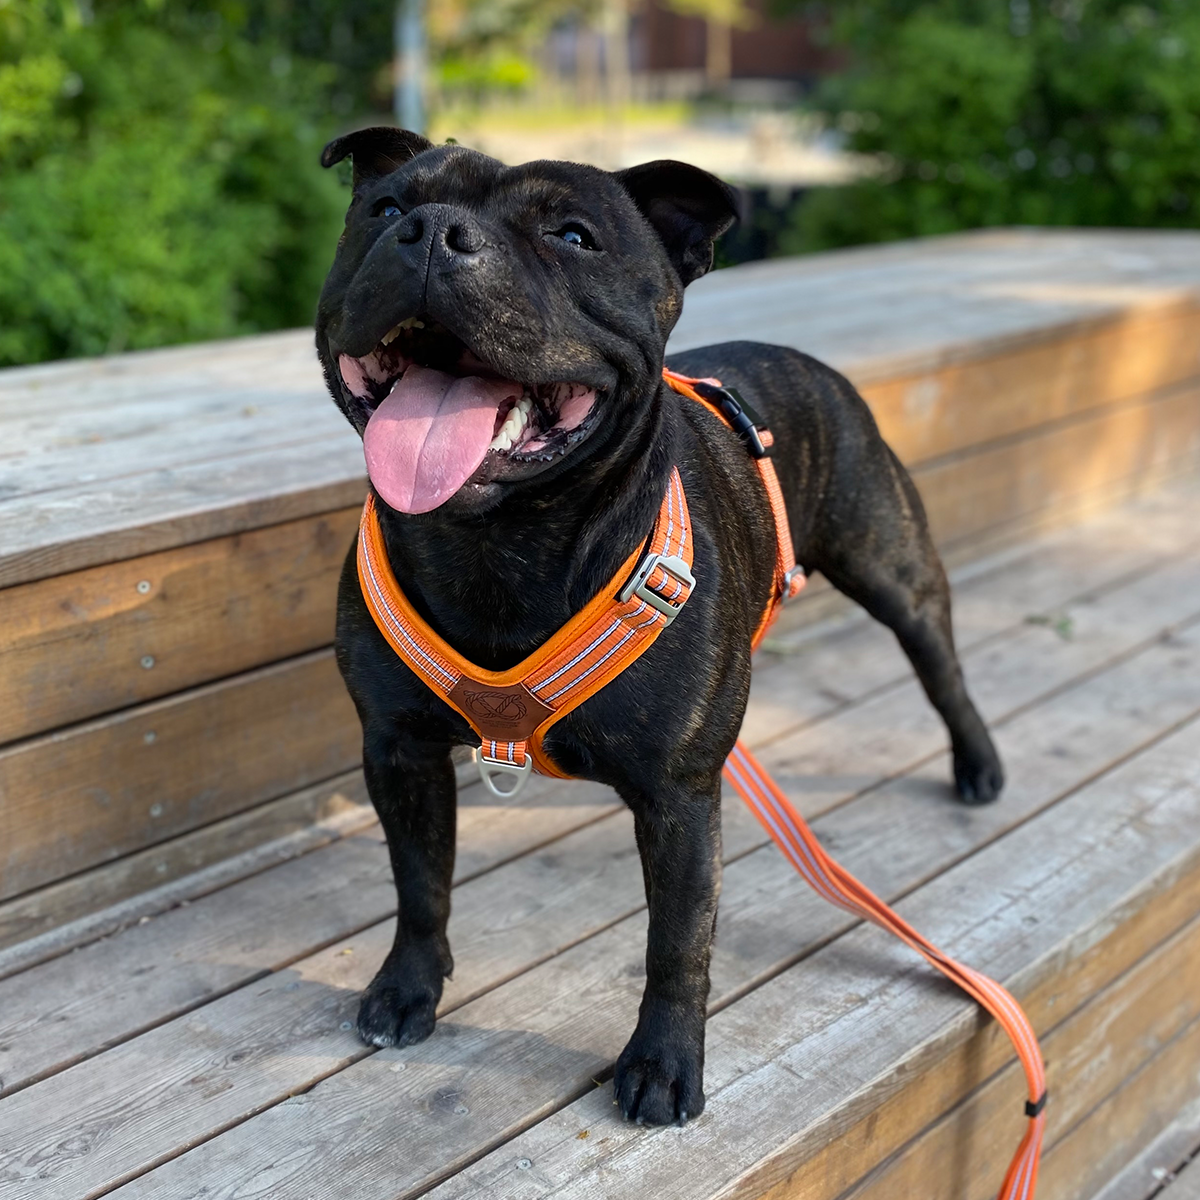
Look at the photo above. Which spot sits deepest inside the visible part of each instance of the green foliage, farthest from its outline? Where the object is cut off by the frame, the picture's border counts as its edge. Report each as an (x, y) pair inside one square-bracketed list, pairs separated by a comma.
[(1048, 112), (158, 179)]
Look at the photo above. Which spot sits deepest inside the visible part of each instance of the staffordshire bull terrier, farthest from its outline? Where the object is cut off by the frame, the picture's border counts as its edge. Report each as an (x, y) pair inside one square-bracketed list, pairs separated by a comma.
[(496, 335)]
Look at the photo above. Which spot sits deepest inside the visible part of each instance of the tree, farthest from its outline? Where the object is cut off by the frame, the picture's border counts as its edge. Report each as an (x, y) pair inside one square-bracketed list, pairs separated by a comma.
[(158, 181), (1048, 112)]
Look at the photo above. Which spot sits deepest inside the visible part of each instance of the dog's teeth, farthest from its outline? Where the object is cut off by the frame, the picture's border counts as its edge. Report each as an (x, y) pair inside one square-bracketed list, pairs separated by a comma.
[(511, 430), (393, 333)]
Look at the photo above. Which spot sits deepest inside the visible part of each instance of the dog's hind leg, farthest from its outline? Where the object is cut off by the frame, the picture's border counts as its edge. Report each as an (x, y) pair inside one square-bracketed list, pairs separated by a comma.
[(875, 547)]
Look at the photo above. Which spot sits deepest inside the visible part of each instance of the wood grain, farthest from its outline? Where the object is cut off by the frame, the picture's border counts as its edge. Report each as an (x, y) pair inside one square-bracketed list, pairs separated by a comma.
[(579, 1001), (181, 868), (891, 313), (75, 646), (92, 792), (1127, 1120), (840, 735), (966, 404), (1089, 1055), (813, 1052), (999, 484)]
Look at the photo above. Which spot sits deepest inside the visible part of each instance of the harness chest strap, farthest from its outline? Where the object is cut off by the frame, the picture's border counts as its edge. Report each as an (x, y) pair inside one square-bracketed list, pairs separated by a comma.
[(511, 711)]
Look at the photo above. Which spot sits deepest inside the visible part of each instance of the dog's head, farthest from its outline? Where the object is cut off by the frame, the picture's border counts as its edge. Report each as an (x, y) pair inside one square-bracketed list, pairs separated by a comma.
[(483, 325)]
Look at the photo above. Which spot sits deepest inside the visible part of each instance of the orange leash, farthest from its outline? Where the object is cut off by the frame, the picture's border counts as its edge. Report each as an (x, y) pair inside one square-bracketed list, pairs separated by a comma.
[(834, 883), (830, 880), (512, 710)]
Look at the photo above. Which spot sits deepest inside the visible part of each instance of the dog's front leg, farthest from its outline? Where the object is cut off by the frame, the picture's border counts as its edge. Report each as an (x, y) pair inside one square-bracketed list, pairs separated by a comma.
[(660, 1074), (412, 787)]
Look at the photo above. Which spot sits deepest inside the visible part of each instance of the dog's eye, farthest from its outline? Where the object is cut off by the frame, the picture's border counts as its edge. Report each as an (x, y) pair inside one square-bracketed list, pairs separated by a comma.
[(387, 208), (576, 235)]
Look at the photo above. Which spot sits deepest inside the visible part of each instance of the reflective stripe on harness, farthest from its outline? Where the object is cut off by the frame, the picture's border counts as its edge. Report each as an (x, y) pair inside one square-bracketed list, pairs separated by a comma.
[(512, 710)]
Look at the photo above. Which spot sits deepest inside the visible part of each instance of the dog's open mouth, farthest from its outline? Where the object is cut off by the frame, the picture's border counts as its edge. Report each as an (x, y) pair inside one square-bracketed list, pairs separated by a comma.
[(436, 415)]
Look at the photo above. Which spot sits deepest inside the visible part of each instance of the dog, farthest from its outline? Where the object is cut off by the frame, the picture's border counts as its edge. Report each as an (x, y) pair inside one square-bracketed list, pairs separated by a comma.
[(518, 317)]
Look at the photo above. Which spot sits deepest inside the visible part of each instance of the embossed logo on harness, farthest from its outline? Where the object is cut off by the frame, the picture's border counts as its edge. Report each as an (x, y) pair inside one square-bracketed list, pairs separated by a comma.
[(495, 706), (505, 714)]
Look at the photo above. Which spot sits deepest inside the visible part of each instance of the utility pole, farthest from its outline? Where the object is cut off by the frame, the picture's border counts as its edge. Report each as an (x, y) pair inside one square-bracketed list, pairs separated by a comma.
[(408, 90)]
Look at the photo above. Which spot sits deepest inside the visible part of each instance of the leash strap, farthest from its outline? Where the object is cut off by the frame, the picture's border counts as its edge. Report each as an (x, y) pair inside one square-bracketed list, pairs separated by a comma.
[(832, 882)]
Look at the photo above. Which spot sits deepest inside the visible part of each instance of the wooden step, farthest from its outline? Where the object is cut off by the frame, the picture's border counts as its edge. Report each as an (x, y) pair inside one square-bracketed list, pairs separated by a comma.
[(207, 1051), (173, 522)]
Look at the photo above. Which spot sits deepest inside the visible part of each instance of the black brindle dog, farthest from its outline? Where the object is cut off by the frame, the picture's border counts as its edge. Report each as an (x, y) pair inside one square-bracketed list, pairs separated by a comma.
[(461, 285)]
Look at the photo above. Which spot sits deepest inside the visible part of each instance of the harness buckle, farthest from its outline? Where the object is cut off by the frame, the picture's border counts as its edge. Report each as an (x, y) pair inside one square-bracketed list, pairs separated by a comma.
[(789, 580), (672, 566), (741, 415), (491, 769)]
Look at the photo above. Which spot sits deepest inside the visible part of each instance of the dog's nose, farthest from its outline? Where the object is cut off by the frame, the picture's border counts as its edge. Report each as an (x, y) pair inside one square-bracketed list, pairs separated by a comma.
[(434, 227)]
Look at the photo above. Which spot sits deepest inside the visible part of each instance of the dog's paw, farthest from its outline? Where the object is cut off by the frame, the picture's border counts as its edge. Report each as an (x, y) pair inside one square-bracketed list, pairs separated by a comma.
[(400, 1006), (660, 1081), (394, 1015), (978, 776)]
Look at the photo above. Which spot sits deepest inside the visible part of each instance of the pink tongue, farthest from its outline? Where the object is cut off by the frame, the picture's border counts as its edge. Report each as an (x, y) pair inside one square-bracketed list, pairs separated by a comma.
[(430, 434)]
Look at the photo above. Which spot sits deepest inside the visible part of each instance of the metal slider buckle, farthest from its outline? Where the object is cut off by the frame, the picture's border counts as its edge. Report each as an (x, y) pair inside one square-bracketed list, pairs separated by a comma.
[(787, 581), (676, 568), (491, 769)]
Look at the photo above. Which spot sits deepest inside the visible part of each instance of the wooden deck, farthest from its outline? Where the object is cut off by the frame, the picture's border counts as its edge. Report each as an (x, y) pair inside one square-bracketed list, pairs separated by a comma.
[(206, 1051), (193, 892)]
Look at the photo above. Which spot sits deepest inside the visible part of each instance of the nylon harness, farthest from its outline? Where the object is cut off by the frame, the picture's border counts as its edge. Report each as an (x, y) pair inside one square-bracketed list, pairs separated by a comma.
[(511, 711)]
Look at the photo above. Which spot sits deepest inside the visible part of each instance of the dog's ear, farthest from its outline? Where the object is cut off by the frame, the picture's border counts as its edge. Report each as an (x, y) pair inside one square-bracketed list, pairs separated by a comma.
[(376, 151), (688, 207)]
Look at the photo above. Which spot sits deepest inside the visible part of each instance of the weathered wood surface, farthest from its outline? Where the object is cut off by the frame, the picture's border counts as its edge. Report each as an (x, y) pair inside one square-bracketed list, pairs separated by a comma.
[(1057, 576), (114, 458), (91, 792), (1186, 1186), (218, 750), (813, 1050), (228, 1072), (1025, 375), (1114, 1035), (75, 646), (1160, 1160)]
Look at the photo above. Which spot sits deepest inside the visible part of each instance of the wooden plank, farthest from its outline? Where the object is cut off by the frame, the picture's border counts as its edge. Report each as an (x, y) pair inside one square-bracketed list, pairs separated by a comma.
[(823, 763), (1133, 544), (78, 645), (84, 526), (1156, 1164), (1089, 1055), (579, 1001), (108, 991), (877, 312), (1000, 484), (1098, 1147), (813, 1052), (877, 760), (72, 799), (1186, 1186), (97, 902), (966, 404)]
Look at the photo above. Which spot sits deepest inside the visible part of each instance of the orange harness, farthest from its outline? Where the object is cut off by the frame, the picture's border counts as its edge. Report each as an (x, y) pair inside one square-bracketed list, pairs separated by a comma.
[(512, 710)]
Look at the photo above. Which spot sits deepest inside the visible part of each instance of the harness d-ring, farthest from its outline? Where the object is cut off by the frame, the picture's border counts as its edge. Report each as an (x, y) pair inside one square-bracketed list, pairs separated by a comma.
[(491, 769)]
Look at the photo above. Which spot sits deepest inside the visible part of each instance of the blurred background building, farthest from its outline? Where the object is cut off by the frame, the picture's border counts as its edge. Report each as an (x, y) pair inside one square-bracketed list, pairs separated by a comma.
[(158, 177)]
